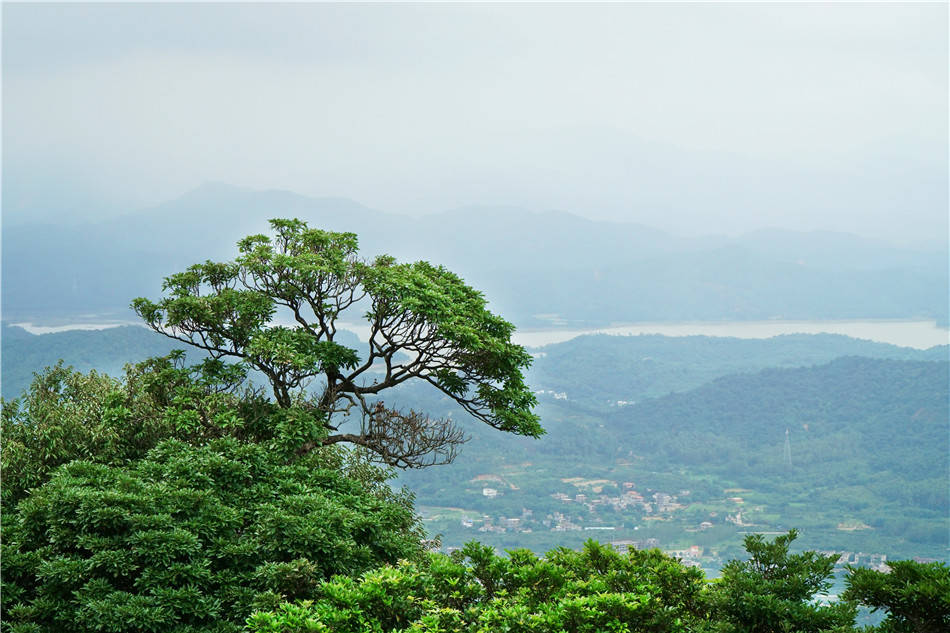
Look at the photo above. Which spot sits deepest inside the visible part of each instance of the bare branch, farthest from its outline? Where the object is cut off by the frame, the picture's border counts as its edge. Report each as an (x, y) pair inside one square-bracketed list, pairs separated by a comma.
[(403, 440)]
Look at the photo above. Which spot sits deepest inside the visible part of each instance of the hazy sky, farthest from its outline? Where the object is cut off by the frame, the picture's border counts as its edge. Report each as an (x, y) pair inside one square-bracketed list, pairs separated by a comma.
[(689, 117)]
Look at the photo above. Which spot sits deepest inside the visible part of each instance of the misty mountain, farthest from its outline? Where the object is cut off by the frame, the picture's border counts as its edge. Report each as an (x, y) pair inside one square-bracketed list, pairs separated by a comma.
[(830, 249), (528, 263)]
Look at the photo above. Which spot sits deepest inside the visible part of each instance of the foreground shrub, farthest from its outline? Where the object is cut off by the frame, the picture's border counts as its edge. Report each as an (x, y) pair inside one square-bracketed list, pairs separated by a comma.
[(915, 595), (191, 539), (67, 415), (776, 591), (60, 418), (596, 589)]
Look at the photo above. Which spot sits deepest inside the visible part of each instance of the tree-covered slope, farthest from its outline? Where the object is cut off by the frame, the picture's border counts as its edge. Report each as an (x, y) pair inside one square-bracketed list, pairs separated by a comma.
[(103, 350), (886, 414), (868, 444), (106, 351), (599, 370), (874, 451)]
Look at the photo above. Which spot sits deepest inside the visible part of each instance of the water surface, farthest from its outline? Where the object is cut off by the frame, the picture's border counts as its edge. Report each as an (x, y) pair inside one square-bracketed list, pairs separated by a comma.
[(919, 334)]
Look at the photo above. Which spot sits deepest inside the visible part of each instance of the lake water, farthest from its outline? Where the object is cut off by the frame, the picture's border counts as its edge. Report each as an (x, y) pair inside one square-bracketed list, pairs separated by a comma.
[(919, 334), (33, 328)]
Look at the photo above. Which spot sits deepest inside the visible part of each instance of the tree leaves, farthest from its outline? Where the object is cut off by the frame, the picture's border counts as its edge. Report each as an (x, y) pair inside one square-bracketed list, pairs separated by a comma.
[(193, 537), (776, 591), (477, 591), (425, 324), (915, 595)]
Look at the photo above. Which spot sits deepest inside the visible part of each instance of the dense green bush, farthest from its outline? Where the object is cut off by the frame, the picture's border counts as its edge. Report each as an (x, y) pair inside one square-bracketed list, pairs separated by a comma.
[(63, 416), (775, 591), (191, 539), (67, 415), (915, 595), (595, 589)]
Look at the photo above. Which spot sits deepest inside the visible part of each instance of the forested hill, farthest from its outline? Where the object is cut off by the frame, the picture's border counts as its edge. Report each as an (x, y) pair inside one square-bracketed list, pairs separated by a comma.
[(528, 263), (888, 414), (106, 351), (599, 370), (595, 370), (868, 448), (868, 436)]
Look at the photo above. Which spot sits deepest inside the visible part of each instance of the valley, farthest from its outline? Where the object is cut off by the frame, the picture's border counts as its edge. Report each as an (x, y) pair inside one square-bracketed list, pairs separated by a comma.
[(676, 442)]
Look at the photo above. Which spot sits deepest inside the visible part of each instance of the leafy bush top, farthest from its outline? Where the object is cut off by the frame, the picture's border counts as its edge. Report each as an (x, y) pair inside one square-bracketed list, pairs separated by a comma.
[(190, 539), (593, 590)]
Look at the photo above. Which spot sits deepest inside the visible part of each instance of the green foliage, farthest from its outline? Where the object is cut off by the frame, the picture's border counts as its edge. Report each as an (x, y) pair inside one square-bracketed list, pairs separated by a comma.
[(193, 538), (425, 323), (107, 351), (595, 589), (871, 403), (915, 595), (775, 591), (67, 415)]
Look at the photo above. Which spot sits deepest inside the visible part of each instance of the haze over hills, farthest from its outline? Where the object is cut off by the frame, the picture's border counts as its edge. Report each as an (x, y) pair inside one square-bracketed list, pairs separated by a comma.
[(665, 287), (584, 271)]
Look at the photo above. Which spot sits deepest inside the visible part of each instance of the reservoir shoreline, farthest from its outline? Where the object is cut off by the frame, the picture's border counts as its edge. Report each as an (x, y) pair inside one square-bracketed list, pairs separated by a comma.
[(915, 333)]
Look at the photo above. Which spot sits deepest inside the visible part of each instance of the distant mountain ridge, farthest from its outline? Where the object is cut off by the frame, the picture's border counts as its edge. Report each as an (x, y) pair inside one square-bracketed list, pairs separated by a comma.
[(528, 263)]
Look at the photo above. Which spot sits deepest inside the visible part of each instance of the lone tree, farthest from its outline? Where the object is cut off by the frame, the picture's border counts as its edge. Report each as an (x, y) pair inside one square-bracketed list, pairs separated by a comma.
[(425, 323)]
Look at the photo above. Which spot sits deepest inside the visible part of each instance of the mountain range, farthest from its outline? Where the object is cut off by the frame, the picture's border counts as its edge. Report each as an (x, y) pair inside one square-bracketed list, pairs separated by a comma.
[(529, 264)]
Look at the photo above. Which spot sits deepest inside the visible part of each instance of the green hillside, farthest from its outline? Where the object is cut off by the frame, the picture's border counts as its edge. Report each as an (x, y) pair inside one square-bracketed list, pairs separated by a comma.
[(106, 351), (869, 461), (599, 370)]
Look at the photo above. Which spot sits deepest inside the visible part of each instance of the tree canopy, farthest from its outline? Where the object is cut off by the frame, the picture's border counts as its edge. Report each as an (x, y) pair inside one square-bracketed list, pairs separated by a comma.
[(424, 323), (192, 538), (776, 591), (477, 591), (916, 596)]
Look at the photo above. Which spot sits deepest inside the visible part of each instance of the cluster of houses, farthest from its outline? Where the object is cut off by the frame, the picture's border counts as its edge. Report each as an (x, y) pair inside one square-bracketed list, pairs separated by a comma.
[(557, 395), (658, 503), (564, 521), (555, 522), (877, 562), (488, 523), (654, 505)]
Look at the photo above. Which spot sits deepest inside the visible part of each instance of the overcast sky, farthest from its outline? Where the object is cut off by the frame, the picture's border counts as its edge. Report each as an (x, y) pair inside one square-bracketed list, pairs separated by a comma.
[(692, 118)]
